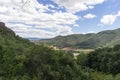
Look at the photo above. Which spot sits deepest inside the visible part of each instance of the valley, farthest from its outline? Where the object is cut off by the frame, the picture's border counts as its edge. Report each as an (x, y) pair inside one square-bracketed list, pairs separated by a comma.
[(59, 40)]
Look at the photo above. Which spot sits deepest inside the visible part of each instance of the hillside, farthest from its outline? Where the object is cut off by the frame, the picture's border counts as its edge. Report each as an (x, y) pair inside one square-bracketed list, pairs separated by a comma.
[(85, 41), (9, 38), (23, 60)]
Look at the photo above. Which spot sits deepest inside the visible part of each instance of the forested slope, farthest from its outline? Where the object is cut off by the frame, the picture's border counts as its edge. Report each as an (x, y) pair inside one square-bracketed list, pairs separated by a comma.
[(85, 41), (23, 60)]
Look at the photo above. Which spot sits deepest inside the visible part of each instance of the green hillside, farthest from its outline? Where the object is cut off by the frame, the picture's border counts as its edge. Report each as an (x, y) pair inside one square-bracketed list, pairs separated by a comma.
[(85, 41), (9, 39), (23, 60)]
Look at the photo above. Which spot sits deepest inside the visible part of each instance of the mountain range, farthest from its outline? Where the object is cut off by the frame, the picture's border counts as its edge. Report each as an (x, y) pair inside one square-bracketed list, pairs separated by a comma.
[(85, 41)]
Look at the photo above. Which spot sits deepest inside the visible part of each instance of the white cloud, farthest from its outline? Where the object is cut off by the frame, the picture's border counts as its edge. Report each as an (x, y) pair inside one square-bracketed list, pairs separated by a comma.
[(76, 25), (118, 14), (90, 7), (29, 19), (109, 19), (89, 32), (74, 6), (89, 16), (30, 31)]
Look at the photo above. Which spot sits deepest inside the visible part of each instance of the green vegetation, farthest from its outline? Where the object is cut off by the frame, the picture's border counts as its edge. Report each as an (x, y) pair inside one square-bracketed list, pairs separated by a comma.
[(23, 60), (106, 60), (85, 41), (103, 63)]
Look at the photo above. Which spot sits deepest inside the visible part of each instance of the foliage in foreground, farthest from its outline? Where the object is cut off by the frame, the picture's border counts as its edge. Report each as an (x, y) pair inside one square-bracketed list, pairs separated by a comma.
[(106, 60)]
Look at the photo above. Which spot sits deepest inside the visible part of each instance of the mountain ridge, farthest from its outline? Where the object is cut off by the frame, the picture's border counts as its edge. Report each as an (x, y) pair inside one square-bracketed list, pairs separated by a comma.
[(85, 41)]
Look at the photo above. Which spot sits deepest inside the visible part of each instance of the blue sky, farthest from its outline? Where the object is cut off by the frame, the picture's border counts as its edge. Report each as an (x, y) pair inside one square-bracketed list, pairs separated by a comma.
[(107, 8), (50, 18)]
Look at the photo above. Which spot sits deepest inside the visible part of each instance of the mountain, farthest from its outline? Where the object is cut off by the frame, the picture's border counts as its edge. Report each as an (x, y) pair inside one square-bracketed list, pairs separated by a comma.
[(85, 41), (33, 39)]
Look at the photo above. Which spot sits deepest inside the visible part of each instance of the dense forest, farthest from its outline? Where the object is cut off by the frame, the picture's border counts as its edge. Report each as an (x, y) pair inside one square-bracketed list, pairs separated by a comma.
[(23, 60)]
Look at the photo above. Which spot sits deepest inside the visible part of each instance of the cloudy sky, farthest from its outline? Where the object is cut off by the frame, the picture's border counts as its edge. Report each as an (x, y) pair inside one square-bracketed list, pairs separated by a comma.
[(50, 18)]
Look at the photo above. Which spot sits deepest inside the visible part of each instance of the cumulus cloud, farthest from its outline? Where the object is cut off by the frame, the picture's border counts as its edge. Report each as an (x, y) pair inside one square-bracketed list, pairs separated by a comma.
[(28, 18), (89, 16), (74, 6), (109, 19)]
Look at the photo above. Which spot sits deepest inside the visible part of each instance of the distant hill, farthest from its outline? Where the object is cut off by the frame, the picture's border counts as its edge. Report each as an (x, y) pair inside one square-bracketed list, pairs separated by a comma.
[(33, 39), (85, 41)]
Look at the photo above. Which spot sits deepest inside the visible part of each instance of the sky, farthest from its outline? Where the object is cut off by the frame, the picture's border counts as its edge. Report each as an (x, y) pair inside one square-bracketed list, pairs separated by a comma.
[(50, 18)]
